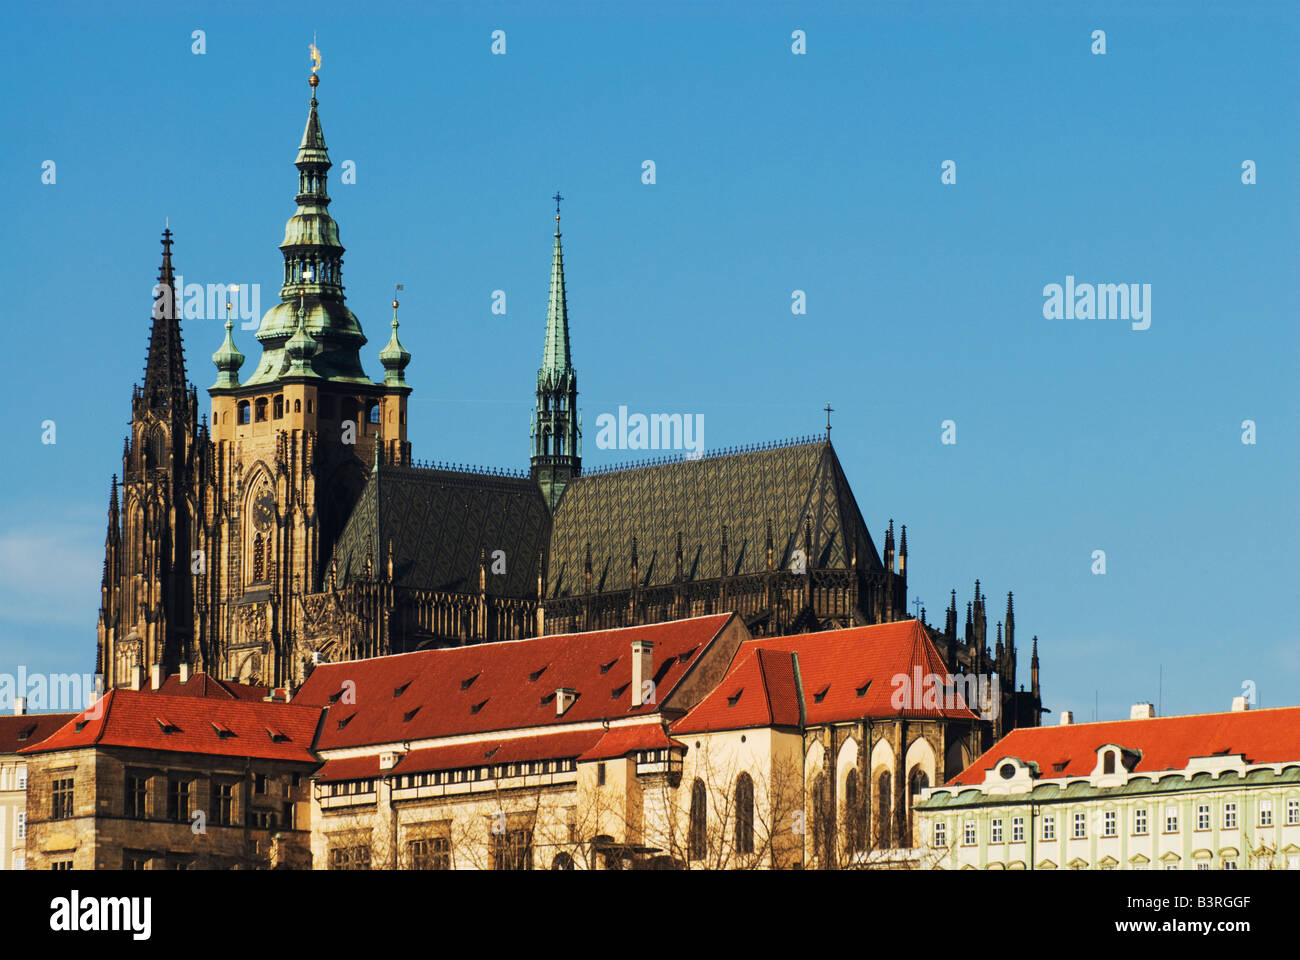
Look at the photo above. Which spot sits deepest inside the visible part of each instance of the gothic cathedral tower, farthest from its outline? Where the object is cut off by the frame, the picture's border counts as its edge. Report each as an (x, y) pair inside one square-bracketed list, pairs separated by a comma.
[(294, 442), (557, 425), (146, 614)]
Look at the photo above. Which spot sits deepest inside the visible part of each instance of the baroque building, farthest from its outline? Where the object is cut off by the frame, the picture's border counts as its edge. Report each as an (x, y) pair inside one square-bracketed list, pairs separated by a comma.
[(295, 528)]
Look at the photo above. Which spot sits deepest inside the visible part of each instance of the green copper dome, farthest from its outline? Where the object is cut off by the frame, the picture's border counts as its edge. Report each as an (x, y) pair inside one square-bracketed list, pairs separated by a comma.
[(394, 357), (228, 360)]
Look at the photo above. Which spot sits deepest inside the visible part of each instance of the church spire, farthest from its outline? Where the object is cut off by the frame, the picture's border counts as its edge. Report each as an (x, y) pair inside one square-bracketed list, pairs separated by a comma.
[(164, 371), (556, 361), (556, 430), (313, 276)]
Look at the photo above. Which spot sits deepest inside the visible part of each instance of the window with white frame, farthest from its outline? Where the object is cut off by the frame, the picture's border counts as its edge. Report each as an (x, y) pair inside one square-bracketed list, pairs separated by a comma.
[(1230, 815), (1049, 826), (1171, 819), (1080, 825), (1017, 829), (1108, 823), (1292, 812), (968, 834), (940, 834), (22, 824), (1229, 863), (995, 830), (1266, 813), (1203, 817), (1140, 821)]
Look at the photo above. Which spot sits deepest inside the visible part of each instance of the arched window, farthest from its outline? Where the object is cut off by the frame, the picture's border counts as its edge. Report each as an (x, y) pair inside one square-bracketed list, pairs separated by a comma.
[(297, 406), (259, 568), (917, 782), (278, 406), (822, 826), (884, 809), (697, 838), (562, 861), (852, 813), (259, 408), (744, 814), (1108, 762), (243, 412), (373, 413)]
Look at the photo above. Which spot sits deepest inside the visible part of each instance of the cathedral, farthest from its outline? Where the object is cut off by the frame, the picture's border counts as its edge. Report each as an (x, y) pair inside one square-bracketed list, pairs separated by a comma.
[(289, 525)]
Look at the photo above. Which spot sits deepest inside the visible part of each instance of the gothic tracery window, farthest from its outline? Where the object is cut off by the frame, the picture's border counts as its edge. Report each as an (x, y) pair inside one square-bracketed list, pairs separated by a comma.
[(697, 840), (744, 814), (259, 568)]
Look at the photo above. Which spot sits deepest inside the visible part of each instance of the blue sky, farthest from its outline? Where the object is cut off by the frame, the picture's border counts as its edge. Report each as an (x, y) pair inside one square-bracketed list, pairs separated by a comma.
[(774, 173)]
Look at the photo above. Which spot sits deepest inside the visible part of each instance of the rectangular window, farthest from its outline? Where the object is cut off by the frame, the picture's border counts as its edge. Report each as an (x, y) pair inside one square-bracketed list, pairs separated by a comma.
[(259, 784), (223, 803), (1266, 813), (1292, 812), (940, 834), (995, 831), (1203, 817), (62, 797), (137, 797), (134, 860), (512, 850), (178, 800), (1230, 816), (1080, 825), (1140, 821), (600, 774), (61, 865), (1017, 829), (22, 779), (1229, 864), (429, 854), (1171, 819), (1049, 826), (968, 833), (350, 858), (22, 824), (1108, 823), (1203, 865)]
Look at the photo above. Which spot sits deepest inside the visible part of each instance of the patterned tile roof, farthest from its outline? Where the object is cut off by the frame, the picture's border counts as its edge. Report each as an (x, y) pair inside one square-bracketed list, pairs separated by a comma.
[(698, 497), (439, 523)]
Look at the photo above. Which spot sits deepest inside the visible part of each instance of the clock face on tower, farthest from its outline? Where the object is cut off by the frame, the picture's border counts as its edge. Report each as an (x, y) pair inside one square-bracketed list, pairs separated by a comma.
[(264, 509)]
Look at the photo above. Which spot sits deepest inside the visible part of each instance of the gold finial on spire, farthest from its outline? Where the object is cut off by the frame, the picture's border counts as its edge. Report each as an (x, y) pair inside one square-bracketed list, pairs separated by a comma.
[(315, 62)]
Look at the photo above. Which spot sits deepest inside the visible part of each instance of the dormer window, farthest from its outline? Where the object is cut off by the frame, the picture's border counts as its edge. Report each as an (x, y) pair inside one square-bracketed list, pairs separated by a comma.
[(1108, 762)]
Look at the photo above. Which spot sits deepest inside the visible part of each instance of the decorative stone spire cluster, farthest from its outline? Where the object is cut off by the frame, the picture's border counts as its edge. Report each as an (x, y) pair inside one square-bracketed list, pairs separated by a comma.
[(164, 371)]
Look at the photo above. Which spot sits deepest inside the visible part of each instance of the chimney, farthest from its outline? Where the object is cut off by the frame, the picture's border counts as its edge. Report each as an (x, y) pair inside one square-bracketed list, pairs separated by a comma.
[(1240, 704), (1142, 711), (564, 697), (185, 671), (137, 677), (155, 675), (643, 658), (388, 759), (1067, 717), (20, 706)]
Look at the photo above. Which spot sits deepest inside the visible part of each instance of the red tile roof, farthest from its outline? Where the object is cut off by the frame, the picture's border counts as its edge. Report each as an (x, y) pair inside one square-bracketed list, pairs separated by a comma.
[(499, 686), (154, 721), (29, 729), (620, 741), (847, 674), (203, 685), (1166, 743), (759, 690)]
